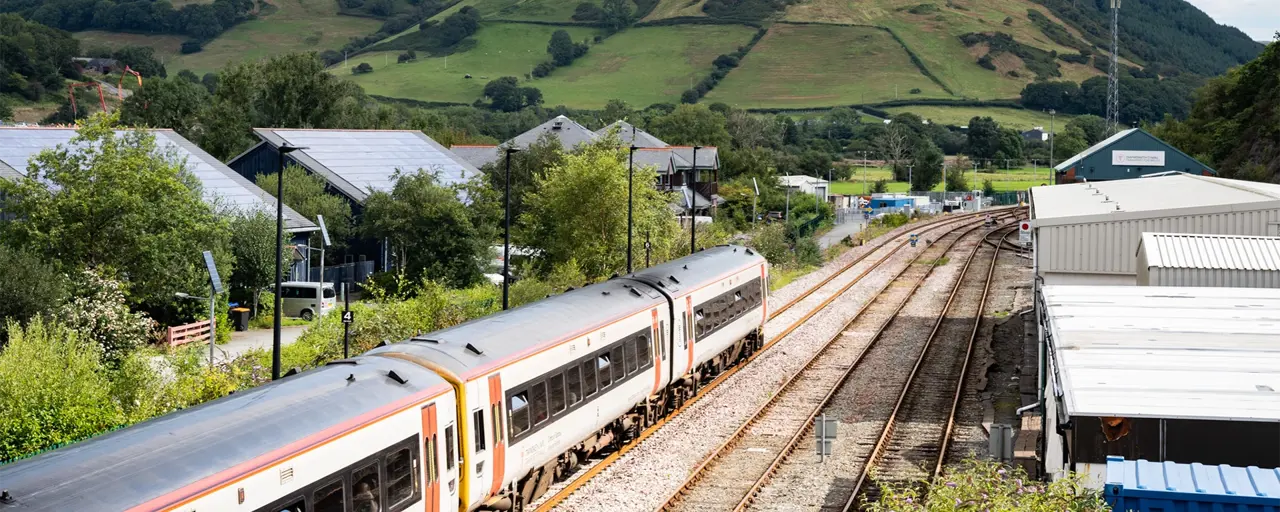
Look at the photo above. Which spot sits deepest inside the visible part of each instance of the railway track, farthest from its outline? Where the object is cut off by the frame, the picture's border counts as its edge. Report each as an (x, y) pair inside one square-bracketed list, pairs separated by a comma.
[(729, 477), (913, 444), (833, 285)]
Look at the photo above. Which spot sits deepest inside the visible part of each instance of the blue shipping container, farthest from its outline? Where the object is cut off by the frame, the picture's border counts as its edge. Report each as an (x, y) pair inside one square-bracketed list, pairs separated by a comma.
[(1171, 487)]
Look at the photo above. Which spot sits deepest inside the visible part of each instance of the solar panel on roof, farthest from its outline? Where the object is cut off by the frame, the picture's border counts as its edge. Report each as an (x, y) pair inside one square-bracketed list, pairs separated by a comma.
[(368, 160)]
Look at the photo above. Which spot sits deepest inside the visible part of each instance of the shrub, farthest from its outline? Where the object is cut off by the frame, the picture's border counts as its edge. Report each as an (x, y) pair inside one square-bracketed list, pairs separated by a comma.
[(1008, 22), (99, 313), (29, 285), (771, 241), (725, 61), (984, 485), (988, 188), (191, 46), (689, 96), (916, 91), (880, 187), (362, 68)]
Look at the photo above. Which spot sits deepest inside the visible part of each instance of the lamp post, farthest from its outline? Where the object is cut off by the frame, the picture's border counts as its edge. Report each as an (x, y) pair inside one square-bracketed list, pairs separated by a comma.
[(693, 202), (506, 232), (282, 150), (213, 333), (631, 169), (1052, 136)]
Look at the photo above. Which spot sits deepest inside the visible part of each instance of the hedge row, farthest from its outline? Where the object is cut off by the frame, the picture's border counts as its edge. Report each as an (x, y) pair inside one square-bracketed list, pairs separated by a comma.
[(723, 64)]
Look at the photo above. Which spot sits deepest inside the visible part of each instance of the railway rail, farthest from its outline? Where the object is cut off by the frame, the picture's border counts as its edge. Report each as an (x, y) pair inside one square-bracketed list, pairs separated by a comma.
[(913, 444), (730, 476), (835, 283)]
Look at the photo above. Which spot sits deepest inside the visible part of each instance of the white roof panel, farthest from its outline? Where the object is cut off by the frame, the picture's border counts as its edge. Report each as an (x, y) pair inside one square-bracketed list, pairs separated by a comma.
[(1167, 352), (218, 182), (1164, 195), (1198, 251)]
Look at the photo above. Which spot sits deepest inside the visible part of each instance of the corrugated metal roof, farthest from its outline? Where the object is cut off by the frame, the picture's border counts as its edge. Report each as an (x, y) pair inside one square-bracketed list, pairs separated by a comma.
[(1095, 148), (358, 162), (1129, 482), (632, 136), (218, 182), (1166, 352), (1165, 195), (568, 131), (479, 156), (1231, 252), (708, 157)]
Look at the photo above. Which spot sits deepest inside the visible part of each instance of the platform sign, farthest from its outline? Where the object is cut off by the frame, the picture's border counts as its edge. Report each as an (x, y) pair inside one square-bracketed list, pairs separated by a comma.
[(1024, 232), (348, 317), (824, 431)]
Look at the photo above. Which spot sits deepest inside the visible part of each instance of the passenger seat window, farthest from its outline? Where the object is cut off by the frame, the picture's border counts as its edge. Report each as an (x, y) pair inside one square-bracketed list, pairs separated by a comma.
[(400, 477), (588, 378), (367, 490), (329, 498), (519, 413), (449, 447), (555, 385), (538, 400), (573, 379), (602, 363), (477, 419), (296, 506)]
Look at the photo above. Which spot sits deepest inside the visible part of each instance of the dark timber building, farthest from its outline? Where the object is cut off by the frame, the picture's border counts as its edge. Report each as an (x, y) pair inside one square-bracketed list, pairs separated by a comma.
[(1128, 154)]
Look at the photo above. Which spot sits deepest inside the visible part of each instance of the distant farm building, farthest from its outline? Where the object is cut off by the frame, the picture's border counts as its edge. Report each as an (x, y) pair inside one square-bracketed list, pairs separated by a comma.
[(1128, 154)]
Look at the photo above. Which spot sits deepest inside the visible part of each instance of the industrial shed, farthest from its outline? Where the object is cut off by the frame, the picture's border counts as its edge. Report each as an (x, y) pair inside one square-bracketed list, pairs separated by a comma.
[(1088, 233), (1229, 261), (1128, 154), (1176, 374)]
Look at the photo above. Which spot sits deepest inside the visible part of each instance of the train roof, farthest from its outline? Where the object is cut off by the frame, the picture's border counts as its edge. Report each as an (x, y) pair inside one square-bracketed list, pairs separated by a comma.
[(216, 441), (476, 347), (693, 271)]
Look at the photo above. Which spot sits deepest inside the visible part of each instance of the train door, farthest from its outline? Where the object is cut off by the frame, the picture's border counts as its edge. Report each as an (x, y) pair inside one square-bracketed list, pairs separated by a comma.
[(497, 431), (431, 456), (480, 440), (655, 334), (689, 329)]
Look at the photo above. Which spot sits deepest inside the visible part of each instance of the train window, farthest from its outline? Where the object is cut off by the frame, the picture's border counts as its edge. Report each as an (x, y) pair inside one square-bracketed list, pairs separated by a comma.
[(367, 490), (589, 378), (329, 498), (449, 447), (642, 349), (573, 383), (631, 356), (538, 401), (555, 385), (519, 413), (602, 364), (298, 505), (619, 372), (477, 421), (400, 477)]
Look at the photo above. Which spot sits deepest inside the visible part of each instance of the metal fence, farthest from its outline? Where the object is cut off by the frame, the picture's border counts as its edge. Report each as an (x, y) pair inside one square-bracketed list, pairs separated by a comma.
[(356, 272)]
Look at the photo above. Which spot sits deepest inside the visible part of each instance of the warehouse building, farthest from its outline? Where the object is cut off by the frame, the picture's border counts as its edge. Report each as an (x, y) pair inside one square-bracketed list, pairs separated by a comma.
[(1161, 374), (1128, 154), (1228, 261), (1088, 233)]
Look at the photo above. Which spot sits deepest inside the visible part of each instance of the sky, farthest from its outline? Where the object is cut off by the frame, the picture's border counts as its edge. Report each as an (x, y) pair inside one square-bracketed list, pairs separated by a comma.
[(1258, 18)]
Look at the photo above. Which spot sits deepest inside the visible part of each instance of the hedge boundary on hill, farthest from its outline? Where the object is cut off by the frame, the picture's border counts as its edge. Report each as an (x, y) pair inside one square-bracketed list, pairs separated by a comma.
[(547, 23), (915, 59), (417, 103), (876, 109), (697, 20)]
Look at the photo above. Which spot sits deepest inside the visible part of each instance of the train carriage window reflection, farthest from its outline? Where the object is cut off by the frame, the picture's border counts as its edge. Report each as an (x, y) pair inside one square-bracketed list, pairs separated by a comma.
[(329, 498), (589, 377), (519, 414), (631, 356), (573, 384), (618, 367), (642, 350), (298, 505), (538, 402), (555, 385), (477, 425), (400, 477), (602, 364), (449, 459), (367, 489)]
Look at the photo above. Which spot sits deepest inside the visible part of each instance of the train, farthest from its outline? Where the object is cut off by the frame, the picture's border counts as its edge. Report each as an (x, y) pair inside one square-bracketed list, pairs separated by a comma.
[(485, 415)]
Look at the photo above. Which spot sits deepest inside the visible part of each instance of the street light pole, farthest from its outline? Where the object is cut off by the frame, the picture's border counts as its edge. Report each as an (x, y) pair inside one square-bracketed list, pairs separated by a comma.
[(864, 173), (506, 232), (282, 150), (1052, 138), (631, 170)]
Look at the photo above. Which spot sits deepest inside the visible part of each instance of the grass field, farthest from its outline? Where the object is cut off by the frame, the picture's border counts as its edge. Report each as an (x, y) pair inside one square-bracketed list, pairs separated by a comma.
[(502, 49), (676, 8), (296, 26), (934, 36), (783, 69), (1003, 181), (642, 66), (960, 116)]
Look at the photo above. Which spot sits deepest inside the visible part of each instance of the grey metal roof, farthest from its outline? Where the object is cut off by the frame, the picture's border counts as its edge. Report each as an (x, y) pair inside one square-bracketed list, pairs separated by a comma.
[(1095, 148), (661, 158), (708, 157), (567, 130), (632, 136), (700, 200), (1227, 252), (358, 162), (1166, 352), (129, 467), (479, 156), (219, 184), (1165, 195)]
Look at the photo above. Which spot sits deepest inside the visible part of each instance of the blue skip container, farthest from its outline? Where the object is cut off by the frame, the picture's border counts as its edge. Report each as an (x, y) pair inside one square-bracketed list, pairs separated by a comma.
[(1145, 486)]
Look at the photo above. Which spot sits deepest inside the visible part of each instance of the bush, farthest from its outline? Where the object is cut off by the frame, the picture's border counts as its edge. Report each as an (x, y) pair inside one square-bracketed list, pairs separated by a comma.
[(99, 313), (689, 96), (362, 68), (988, 189), (984, 485), (771, 241), (29, 285), (880, 187), (191, 46), (725, 61), (587, 11), (916, 91)]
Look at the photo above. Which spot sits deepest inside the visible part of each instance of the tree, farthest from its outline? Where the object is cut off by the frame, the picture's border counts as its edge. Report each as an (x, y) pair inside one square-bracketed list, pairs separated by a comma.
[(692, 125), (984, 137), (6, 112), (615, 110), (141, 59), (617, 14), (927, 164), (188, 76), (438, 236), (362, 68), (526, 167), (166, 103), (117, 202), (587, 11), (29, 285), (1093, 127), (506, 95), (306, 194), (894, 145), (210, 82), (752, 131), (253, 242), (563, 223), (561, 48), (956, 181)]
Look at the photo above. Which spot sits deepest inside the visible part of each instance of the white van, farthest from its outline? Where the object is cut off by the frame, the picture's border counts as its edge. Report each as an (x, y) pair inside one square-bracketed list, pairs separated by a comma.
[(303, 299)]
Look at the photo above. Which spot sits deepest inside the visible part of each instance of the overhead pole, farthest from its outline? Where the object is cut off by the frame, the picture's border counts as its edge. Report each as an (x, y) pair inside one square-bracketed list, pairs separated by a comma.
[(1113, 77)]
